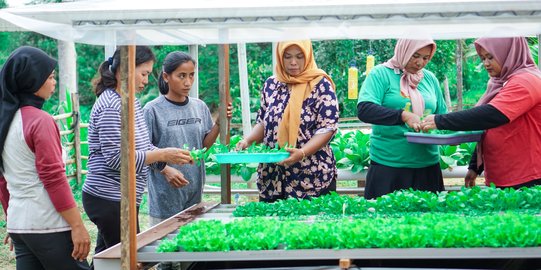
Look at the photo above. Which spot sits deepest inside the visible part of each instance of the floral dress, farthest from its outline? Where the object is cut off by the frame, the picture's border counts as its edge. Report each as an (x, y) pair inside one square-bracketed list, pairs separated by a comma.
[(315, 175)]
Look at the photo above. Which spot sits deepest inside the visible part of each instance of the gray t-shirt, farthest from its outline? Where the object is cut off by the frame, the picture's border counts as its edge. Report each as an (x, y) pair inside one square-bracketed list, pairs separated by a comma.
[(174, 125)]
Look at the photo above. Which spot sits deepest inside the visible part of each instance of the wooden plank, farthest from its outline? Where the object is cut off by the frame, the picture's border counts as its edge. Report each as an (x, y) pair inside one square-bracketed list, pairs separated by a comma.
[(162, 229)]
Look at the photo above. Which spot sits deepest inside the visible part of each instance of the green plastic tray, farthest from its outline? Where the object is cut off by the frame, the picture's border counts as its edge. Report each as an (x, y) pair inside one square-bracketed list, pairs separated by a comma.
[(251, 157), (451, 139)]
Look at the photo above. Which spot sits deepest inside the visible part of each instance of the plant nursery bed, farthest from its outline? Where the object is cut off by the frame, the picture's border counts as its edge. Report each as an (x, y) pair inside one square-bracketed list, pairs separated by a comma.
[(468, 228)]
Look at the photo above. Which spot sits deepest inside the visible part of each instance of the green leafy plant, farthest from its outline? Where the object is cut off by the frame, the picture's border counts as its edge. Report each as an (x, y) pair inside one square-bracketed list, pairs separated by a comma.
[(467, 201), (440, 230), (351, 150), (197, 154)]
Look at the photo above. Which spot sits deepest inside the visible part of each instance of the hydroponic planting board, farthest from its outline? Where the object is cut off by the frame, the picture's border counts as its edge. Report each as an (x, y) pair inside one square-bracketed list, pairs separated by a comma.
[(110, 259)]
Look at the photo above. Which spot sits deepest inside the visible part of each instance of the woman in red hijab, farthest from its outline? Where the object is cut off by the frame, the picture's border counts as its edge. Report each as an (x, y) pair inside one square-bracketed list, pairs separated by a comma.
[(510, 111)]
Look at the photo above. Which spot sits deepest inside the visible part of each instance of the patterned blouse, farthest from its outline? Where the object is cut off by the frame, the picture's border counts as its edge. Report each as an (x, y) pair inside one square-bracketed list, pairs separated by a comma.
[(316, 174)]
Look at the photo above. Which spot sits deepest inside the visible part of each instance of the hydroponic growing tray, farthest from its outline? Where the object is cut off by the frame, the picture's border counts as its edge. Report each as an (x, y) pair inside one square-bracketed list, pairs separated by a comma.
[(453, 138), (251, 157), (149, 240)]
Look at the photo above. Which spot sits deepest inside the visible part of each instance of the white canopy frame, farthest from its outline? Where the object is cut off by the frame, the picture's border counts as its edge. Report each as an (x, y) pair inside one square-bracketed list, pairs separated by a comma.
[(163, 22)]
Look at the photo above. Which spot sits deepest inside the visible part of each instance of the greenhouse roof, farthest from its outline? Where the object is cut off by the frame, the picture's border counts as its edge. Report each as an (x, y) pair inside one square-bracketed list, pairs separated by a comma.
[(119, 22)]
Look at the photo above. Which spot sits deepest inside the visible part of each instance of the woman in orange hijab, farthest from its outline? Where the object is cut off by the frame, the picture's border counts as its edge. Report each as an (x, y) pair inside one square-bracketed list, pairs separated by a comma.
[(299, 110)]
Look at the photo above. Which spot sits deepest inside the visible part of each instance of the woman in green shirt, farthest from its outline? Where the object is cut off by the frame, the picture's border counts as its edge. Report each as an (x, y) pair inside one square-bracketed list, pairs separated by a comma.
[(394, 98)]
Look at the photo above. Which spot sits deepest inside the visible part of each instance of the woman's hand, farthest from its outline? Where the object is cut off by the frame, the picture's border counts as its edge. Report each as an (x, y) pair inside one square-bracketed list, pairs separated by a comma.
[(229, 111), (176, 156), (7, 241), (469, 179), (174, 177), (295, 156), (81, 242), (412, 120), (429, 123), (229, 114), (241, 145)]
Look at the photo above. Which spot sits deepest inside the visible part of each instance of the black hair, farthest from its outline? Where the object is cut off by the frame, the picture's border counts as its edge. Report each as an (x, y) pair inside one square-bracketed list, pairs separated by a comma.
[(109, 67), (171, 62)]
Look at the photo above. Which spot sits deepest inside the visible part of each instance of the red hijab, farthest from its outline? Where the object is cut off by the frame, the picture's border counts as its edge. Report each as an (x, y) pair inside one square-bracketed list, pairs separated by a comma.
[(514, 57)]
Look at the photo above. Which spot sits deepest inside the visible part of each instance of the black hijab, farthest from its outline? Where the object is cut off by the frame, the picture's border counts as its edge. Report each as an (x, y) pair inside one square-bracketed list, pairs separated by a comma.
[(23, 74)]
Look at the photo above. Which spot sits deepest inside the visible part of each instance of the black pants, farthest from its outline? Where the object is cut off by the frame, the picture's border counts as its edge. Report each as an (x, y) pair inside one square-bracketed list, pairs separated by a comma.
[(381, 179), (40, 251), (536, 182), (106, 215)]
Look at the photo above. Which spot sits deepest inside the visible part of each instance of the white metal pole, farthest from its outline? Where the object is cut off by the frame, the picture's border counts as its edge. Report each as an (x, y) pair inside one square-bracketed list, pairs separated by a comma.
[(539, 51), (244, 89), (67, 68), (110, 48), (274, 61), (194, 53)]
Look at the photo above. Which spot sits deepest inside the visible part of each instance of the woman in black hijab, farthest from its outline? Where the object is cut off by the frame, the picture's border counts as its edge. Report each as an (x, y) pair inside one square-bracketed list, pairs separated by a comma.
[(43, 220)]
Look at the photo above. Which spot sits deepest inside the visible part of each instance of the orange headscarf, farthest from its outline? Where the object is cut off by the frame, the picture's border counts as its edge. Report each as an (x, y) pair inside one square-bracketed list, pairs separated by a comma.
[(300, 86)]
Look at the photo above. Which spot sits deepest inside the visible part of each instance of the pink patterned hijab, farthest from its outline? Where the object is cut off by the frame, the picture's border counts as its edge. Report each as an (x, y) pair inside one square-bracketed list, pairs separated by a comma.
[(514, 57), (404, 49)]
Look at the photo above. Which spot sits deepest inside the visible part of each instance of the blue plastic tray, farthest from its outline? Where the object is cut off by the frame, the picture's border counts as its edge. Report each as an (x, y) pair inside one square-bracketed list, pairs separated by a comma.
[(251, 157), (452, 139)]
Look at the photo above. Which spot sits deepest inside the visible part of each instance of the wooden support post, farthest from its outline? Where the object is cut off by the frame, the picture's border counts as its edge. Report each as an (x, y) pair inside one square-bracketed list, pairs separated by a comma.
[(225, 169), (128, 218), (345, 263)]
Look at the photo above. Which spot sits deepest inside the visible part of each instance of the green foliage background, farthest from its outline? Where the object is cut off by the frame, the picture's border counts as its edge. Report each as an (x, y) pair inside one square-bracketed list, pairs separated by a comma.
[(333, 56)]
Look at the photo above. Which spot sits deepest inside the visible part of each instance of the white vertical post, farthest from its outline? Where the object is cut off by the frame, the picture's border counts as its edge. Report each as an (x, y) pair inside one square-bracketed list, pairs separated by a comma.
[(274, 61), (244, 89), (194, 53), (109, 51), (539, 51), (110, 48), (67, 68)]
